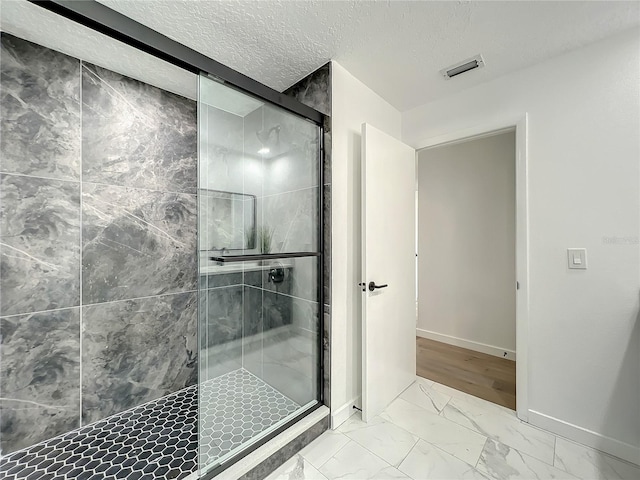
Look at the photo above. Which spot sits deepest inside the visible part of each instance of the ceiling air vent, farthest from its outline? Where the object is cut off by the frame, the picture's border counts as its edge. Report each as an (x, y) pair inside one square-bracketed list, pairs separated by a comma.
[(462, 67)]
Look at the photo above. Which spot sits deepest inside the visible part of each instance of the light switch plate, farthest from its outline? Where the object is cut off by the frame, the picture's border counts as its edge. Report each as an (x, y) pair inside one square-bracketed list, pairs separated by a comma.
[(577, 258)]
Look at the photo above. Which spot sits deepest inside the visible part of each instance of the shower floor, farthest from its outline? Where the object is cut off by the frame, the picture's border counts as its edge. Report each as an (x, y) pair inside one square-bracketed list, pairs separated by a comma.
[(158, 440)]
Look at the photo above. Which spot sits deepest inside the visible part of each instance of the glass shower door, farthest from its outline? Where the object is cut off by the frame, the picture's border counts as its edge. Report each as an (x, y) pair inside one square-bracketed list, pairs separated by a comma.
[(259, 193)]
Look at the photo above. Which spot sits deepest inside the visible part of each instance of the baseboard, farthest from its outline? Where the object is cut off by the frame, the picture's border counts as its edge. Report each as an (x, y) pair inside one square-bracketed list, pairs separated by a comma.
[(592, 439), (468, 344), (340, 415)]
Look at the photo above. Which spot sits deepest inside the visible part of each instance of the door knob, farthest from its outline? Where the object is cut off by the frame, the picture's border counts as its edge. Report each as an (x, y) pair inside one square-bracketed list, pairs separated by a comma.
[(373, 286)]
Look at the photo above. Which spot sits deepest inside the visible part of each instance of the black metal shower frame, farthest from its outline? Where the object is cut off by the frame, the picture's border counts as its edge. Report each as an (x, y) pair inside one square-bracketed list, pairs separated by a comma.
[(103, 19)]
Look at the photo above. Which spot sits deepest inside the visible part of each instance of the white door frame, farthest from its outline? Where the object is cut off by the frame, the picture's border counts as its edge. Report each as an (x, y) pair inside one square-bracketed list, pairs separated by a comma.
[(518, 123)]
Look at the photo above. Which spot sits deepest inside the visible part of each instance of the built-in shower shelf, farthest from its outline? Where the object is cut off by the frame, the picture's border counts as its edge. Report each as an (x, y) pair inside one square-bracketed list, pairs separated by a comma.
[(226, 268), (265, 256)]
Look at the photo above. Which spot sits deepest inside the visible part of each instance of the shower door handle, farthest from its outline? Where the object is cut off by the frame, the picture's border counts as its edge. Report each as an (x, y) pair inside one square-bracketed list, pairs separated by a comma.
[(373, 286)]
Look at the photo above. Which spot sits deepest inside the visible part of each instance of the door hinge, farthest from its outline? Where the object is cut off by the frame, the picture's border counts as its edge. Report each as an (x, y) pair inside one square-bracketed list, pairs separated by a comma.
[(517, 285)]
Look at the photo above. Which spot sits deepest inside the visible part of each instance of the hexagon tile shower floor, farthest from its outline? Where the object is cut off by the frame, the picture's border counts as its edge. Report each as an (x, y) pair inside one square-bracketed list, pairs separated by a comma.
[(158, 440)]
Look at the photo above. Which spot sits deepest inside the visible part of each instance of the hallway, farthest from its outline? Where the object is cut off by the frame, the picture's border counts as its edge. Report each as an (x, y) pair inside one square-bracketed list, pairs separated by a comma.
[(478, 374)]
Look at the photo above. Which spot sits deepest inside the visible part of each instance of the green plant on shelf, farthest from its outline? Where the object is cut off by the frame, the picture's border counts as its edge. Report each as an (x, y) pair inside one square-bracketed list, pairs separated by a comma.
[(265, 237), (250, 238)]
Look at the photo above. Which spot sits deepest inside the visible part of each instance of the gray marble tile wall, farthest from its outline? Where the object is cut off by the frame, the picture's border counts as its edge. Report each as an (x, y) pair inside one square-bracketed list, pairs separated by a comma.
[(40, 379), (97, 243), (315, 91), (135, 351), (139, 263)]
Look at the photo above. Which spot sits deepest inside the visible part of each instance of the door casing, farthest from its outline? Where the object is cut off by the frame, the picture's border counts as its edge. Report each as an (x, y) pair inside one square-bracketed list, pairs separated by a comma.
[(519, 124)]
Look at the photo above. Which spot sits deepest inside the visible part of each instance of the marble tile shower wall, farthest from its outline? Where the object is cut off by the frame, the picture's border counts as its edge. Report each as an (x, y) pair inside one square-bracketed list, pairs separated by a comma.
[(97, 243), (315, 91)]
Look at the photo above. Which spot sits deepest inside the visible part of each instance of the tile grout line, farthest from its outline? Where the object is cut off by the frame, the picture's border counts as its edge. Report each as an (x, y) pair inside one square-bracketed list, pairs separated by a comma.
[(409, 452), (301, 189), (374, 453), (132, 187), (81, 310), (337, 451), (244, 191), (481, 451), (280, 293), (262, 222), (202, 130), (17, 174), (102, 184), (81, 305), (104, 303)]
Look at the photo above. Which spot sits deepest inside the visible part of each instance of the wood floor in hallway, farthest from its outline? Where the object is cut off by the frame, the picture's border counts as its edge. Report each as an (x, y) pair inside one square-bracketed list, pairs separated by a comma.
[(478, 374)]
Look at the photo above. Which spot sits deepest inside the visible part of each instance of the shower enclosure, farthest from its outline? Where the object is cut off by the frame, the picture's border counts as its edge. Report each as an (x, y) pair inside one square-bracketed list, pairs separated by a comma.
[(160, 248), (259, 190)]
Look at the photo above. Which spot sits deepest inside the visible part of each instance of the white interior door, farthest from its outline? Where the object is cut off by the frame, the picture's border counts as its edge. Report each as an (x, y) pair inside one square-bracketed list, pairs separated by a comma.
[(388, 260)]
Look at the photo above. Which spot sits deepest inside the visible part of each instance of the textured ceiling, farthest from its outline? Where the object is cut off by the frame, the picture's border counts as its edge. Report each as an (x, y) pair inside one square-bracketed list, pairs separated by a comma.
[(395, 47)]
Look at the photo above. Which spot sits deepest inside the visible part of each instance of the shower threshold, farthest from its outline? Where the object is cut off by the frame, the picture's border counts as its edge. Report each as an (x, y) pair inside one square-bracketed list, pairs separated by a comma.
[(159, 440)]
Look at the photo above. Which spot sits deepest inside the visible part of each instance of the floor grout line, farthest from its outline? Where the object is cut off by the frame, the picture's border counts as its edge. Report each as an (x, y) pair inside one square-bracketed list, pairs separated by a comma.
[(409, 452), (367, 448), (481, 451), (337, 451)]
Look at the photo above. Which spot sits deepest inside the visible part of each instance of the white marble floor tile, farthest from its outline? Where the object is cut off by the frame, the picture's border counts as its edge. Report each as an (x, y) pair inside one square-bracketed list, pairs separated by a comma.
[(505, 463), (426, 461), (585, 462), (389, 473), (455, 439), (385, 439), (324, 447), (296, 468), (354, 462), (502, 426), (452, 392), (481, 402), (425, 381), (352, 423), (426, 397)]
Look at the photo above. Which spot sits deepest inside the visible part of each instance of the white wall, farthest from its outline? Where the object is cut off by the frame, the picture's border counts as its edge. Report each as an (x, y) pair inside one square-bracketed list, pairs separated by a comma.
[(584, 191), (466, 244), (352, 103)]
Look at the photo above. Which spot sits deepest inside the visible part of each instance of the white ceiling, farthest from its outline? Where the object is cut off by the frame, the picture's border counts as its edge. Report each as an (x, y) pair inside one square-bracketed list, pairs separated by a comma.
[(395, 47)]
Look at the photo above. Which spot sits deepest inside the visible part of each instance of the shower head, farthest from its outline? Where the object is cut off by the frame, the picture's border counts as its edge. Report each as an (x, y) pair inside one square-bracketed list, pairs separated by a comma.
[(264, 135)]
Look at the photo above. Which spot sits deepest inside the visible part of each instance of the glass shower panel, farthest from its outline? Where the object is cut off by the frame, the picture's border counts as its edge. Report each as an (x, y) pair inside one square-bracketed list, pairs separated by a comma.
[(259, 306), (281, 326), (289, 209)]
